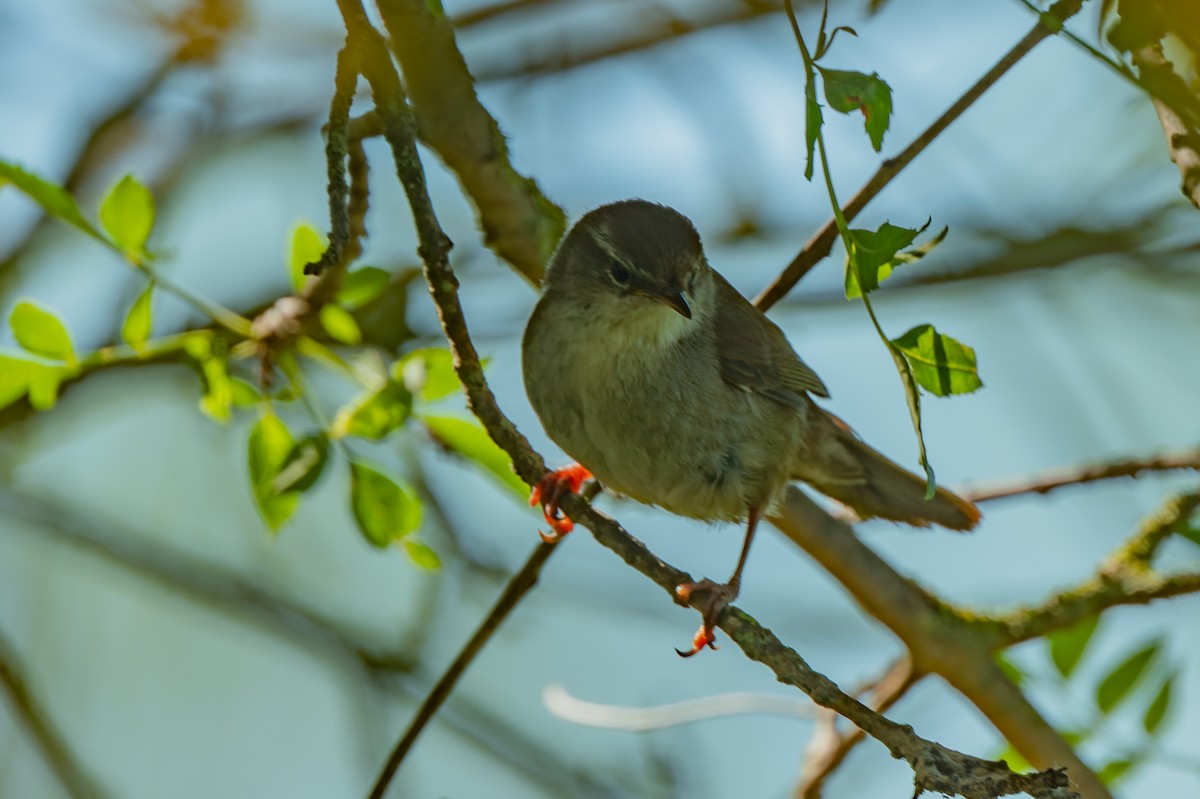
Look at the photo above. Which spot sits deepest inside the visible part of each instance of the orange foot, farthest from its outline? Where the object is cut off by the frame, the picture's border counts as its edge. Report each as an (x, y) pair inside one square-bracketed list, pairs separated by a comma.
[(550, 490), (719, 595)]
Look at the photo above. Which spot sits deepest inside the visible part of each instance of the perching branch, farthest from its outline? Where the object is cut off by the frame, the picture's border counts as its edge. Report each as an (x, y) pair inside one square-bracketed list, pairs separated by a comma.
[(822, 241)]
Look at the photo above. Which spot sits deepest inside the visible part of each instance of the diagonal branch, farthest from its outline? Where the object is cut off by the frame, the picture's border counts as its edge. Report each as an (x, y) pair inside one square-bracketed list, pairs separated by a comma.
[(822, 241)]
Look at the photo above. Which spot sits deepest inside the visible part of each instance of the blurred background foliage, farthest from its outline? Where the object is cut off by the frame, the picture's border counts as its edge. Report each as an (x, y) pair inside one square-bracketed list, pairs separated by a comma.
[(175, 620)]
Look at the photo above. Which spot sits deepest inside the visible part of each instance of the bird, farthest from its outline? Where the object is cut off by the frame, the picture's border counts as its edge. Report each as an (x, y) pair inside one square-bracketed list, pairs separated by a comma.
[(666, 385)]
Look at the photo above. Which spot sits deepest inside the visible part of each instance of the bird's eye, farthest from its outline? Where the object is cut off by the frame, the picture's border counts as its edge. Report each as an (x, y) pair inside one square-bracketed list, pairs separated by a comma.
[(619, 272)]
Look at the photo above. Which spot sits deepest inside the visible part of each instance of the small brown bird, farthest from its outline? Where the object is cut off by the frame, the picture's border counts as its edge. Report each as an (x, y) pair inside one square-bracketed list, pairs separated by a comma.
[(651, 370)]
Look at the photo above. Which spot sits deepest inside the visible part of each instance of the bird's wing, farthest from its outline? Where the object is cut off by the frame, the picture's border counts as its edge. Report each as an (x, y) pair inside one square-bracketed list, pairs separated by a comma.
[(755, 354)]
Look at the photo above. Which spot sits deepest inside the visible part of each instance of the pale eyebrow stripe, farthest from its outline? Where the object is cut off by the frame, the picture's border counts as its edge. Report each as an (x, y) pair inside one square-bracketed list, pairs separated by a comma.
[(601, 236)]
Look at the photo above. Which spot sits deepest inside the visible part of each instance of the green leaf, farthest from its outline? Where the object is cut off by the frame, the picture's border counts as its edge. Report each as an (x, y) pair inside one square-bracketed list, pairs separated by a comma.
[(428, 373), (375, 414), (1124, 677), (386, 510), (941, 365), (469, 440), (1068, 645), (917, 253), (855, 91), (40, 332), (1157, 709), (127, 215), (244, 393), (361, 286), (304, 464), (307, 246), (269, 445), (15, 374), (217, 402), (44, 381), (1114, 770), (53, 199), (812, 128), (340, 325), (1191, 532), (876, 253), (421, 554), (135, 330)]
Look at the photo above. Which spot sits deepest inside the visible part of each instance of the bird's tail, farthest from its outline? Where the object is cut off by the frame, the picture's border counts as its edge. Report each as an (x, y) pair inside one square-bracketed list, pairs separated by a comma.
[(882, 488)]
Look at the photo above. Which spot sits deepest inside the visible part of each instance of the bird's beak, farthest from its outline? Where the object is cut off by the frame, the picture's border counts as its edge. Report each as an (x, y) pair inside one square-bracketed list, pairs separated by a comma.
[(674, 300)]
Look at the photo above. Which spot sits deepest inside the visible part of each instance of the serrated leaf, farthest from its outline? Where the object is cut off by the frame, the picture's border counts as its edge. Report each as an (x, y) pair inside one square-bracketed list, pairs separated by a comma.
[(1122, 679), (135, 330), (307, 246), (217, 402), (422, 555), (469, 440), (914, 254), (340, 325), (385, 509), (876, 253), (940, 364), (304, 465), (375, 414), (856, 91), (41, 332), (1067, 646), (127, 215), (428, 373), (361, 286), (269, 444), (53, 199), (1157, 710)]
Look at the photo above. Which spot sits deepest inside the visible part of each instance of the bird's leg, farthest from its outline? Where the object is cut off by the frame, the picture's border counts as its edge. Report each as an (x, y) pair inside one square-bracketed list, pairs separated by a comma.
[(550, 489), (719, 594)]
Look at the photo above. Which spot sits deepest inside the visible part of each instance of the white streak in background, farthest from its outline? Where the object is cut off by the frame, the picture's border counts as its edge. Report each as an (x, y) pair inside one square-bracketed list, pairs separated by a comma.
[(640, 719)]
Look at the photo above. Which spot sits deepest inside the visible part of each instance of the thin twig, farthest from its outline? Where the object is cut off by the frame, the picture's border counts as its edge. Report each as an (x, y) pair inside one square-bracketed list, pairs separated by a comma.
[(822, 241), (513, 593), (1051, 480), (345, 81), (1125, 578)]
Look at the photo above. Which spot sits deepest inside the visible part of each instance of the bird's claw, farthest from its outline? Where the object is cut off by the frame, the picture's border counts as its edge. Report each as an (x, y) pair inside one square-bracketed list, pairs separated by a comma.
[(719, 596), (550, 490)]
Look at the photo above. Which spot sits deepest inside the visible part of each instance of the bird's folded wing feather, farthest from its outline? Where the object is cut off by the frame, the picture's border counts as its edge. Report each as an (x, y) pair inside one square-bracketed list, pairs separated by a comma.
[(755, 354)]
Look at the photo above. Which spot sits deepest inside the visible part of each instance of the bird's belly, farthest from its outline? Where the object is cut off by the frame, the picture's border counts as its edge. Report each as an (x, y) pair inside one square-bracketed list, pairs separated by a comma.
[(709, 458)]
